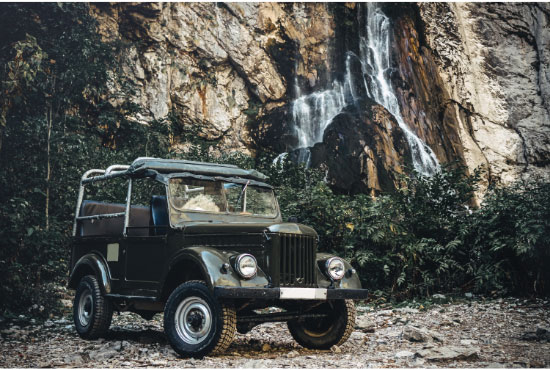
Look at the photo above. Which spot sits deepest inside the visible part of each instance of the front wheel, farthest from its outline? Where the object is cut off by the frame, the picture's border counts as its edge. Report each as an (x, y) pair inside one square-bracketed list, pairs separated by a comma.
[(92, 313), (326, 332), (195, 323)]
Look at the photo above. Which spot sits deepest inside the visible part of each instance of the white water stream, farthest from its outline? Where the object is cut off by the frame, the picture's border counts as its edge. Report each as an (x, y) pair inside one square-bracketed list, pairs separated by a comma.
[(312, 113)]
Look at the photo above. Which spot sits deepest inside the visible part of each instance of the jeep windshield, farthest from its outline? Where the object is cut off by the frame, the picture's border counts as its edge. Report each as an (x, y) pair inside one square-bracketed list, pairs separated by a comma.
[(221, 197)]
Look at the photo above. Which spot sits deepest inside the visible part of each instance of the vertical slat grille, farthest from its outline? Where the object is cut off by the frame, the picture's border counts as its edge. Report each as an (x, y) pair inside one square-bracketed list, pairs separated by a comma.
[(297, 260)]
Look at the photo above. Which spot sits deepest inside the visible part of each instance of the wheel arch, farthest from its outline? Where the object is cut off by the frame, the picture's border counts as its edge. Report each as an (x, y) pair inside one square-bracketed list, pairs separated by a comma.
[(91, 264), (204, 263), (185, 268)]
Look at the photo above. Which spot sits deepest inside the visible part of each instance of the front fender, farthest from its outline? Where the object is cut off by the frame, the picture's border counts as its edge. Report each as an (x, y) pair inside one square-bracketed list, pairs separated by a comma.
[(95, 263), (211, 260), (350, 281)]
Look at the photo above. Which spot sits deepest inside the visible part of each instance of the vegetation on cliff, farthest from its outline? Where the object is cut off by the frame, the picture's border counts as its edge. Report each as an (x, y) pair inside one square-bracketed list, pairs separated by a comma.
[(58, 118)]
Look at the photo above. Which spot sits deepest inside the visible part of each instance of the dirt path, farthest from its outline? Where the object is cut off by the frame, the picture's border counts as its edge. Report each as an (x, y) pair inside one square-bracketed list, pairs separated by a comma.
[(501, 333)]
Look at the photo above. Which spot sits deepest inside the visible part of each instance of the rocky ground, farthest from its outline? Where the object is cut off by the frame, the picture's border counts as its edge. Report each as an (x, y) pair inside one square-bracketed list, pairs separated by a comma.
[(471, 333)]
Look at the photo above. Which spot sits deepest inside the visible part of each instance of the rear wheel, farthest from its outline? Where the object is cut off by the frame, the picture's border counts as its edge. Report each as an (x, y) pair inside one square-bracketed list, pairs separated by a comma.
[(326, 332), (92, 313), (195, 323)]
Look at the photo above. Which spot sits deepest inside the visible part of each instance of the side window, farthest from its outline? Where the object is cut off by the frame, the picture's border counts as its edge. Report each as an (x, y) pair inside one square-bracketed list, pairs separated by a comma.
[(103, 197), (147, 207), (112, 191), (144, 189)]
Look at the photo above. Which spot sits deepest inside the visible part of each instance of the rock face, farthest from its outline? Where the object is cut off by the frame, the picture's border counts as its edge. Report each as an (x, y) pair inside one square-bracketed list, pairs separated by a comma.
[(415, 334), (472, 81), (363, 149), (424, 101), (209, 63), (493, 60)]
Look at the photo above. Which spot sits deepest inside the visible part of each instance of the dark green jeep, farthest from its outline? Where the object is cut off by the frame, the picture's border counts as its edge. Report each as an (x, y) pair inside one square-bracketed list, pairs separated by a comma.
[(209, 249)]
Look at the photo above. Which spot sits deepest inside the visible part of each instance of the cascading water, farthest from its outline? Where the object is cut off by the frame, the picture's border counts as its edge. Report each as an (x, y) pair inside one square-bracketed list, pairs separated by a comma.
[(375, 62), (311, 114)]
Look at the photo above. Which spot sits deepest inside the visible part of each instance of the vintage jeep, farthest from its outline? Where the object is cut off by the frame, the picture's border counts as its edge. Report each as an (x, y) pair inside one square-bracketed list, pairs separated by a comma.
[(209, 249)]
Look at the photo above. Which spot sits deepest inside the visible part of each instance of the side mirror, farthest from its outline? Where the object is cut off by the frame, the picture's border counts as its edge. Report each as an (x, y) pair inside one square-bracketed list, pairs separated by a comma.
[(293, 219)]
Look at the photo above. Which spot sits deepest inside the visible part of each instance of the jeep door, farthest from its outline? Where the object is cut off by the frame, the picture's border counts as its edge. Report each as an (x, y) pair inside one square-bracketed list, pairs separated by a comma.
[(144, 258), (144, 245)]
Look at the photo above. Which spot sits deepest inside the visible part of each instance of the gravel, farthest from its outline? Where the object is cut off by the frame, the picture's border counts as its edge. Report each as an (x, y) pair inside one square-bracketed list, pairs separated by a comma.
[(496, 333)]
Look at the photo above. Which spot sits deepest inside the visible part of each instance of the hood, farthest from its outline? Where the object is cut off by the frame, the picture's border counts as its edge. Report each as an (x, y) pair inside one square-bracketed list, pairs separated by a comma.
[(247, 228)]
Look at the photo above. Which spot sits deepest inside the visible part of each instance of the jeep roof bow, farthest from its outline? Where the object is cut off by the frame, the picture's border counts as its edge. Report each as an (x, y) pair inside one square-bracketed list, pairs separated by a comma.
[(162, 170)]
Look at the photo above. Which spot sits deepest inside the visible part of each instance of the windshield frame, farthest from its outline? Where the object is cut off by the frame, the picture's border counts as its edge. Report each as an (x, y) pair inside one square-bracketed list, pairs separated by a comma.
[(199, 215)]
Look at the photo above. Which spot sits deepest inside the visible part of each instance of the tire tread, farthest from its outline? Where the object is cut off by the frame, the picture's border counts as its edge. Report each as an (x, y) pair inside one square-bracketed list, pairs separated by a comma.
[(350, 322), (103, 311), (304, 341), (228, 325)]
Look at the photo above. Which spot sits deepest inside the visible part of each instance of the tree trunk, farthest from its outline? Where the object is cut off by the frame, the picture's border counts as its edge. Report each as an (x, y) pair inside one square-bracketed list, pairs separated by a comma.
[(48, 169)]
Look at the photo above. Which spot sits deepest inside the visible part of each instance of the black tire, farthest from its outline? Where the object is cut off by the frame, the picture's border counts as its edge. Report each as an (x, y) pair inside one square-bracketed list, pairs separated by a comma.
[(326, 332), (186, 323), (92, 313)]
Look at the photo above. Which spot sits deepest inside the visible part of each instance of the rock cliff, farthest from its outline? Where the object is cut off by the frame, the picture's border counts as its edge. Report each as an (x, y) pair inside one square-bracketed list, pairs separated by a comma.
[(493, 60), (471, 81)]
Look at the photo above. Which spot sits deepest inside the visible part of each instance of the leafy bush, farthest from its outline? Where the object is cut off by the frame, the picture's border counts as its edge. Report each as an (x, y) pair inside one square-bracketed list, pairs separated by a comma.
[(510, 239), (55, 72), (426, 237)]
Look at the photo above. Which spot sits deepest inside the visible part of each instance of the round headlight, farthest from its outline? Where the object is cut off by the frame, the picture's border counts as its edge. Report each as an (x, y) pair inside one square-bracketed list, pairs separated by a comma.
[(246, 265), (335, 268)]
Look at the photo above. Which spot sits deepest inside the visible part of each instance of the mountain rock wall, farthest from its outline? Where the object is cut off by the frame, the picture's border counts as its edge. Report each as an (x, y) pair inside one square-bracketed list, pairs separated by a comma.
[(493, 60), (472, 80), (215, 65)]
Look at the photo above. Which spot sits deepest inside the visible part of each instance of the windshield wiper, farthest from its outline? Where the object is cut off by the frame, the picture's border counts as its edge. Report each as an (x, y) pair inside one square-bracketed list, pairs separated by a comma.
[(242, 192)]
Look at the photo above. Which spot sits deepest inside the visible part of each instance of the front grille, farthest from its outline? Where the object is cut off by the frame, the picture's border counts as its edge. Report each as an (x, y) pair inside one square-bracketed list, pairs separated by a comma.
[(297, 260)]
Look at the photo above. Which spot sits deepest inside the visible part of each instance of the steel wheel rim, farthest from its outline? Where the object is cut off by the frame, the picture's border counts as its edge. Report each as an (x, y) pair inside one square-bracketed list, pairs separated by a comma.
[(317, 332), (193, 320), (85, 308), (320, 327)]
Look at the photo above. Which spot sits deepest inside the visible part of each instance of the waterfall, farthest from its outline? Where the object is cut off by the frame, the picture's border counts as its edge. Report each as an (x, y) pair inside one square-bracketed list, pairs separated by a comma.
[(375, 62), (311, 114)]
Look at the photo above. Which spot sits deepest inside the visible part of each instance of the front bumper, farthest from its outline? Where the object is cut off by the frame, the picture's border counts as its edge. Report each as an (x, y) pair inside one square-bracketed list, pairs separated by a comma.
[(290, 293)]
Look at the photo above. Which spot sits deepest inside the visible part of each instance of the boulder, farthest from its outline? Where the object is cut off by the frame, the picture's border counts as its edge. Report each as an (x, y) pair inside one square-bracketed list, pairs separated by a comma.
[(540, 334), (543, 333), (365, 324), (256, 364), (449, 353), (293, 354), (74, 359), (363, 149), (415, 334), (404, 354), (102, 354)]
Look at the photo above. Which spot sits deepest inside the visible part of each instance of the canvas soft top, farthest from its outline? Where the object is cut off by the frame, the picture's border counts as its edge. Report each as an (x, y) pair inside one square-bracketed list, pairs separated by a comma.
[(141, 165)]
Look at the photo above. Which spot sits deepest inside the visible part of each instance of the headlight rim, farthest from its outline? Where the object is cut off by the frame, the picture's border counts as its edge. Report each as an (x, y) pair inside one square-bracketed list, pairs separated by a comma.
[(327, 270), (238, 267)]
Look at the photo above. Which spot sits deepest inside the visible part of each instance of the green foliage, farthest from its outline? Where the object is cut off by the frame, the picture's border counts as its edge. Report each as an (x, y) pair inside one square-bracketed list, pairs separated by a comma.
[(54, 93), (510, 236), (426, 237)]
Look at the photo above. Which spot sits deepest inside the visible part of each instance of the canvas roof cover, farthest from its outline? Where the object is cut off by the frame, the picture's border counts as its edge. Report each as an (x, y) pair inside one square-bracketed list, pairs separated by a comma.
[(202, 168)]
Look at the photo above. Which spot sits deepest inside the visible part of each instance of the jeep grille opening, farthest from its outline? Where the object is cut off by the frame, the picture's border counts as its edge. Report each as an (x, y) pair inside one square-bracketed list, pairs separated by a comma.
[(297, 260)]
